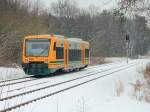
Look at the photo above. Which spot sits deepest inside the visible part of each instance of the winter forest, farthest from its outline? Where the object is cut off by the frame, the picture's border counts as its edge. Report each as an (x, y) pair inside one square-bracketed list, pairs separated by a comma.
[(105, 30)]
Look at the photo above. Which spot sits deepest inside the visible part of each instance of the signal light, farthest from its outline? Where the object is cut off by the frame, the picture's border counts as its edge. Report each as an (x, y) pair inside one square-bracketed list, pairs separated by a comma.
[(46, 60), (127, 37)]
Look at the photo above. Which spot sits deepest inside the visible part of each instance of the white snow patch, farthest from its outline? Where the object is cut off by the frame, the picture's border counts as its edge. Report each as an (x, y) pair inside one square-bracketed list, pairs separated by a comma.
[(10, 73), (115, 59), (97, 96)]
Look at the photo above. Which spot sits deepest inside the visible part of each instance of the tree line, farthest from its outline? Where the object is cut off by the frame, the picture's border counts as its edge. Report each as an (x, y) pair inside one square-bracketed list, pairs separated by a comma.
[(104, 30)]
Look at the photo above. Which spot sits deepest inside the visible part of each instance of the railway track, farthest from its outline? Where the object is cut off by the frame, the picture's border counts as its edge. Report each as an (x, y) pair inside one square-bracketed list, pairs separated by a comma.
[(117, 69), (3, 81), (31, 78), (44, 82), (21, 78)]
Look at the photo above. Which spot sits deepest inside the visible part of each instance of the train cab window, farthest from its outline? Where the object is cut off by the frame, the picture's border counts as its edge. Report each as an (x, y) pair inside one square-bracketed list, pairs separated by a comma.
[(37, 47)]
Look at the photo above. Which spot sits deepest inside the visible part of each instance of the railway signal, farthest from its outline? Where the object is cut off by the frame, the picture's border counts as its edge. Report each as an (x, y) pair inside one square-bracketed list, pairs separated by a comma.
[(127, 37)]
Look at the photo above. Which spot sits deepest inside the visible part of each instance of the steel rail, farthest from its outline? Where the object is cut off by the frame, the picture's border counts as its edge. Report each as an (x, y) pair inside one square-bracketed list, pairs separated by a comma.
[(3, 85), (26, 87), (102, 65), (15, 79), (56, 84), (43, 82), (62, 90)]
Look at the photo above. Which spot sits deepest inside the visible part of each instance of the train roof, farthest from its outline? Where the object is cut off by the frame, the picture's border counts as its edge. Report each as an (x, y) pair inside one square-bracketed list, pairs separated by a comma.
[(78, 40), (57, 36), (37, 36)]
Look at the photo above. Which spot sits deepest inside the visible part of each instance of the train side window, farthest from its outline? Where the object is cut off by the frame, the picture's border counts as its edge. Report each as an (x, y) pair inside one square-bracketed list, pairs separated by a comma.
[(59, 52), (87, 53), (54, 46)]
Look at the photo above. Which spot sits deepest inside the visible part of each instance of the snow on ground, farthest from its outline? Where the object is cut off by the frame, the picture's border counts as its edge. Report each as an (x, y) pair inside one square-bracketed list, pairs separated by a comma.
[(9, 73), (115, 59), (114, 93), (97, 96)]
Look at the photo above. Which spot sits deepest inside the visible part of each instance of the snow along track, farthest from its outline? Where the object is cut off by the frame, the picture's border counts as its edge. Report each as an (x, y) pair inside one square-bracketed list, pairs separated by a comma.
[(64, 89), (31, 78), (3, 81), (24, 78), (26, 84), (92, 70)]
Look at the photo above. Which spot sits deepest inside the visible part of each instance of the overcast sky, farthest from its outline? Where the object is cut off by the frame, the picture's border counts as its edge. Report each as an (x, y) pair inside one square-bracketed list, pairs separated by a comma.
[(101, 4)]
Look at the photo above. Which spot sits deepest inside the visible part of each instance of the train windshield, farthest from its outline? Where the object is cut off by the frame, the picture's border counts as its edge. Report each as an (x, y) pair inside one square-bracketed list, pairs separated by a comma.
[(37, 47)]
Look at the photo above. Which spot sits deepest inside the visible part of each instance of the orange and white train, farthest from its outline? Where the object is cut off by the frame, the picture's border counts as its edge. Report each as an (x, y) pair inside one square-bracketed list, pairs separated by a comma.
[(45, 54)]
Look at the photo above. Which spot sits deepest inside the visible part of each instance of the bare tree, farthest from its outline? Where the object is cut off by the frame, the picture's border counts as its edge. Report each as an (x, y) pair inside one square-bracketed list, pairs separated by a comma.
[(65, 8), (135, 5)]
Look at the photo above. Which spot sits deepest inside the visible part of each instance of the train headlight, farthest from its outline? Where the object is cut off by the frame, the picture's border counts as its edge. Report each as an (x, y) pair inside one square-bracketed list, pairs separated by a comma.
[(26, 60), (46, 60)]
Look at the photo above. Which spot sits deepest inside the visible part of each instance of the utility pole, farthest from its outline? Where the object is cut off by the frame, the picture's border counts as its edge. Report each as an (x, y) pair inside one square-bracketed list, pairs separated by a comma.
[(127, 46)]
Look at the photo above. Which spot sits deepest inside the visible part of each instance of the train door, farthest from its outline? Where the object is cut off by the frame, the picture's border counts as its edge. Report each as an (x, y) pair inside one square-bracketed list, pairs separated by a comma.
[(65, 54), (83, 54)]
